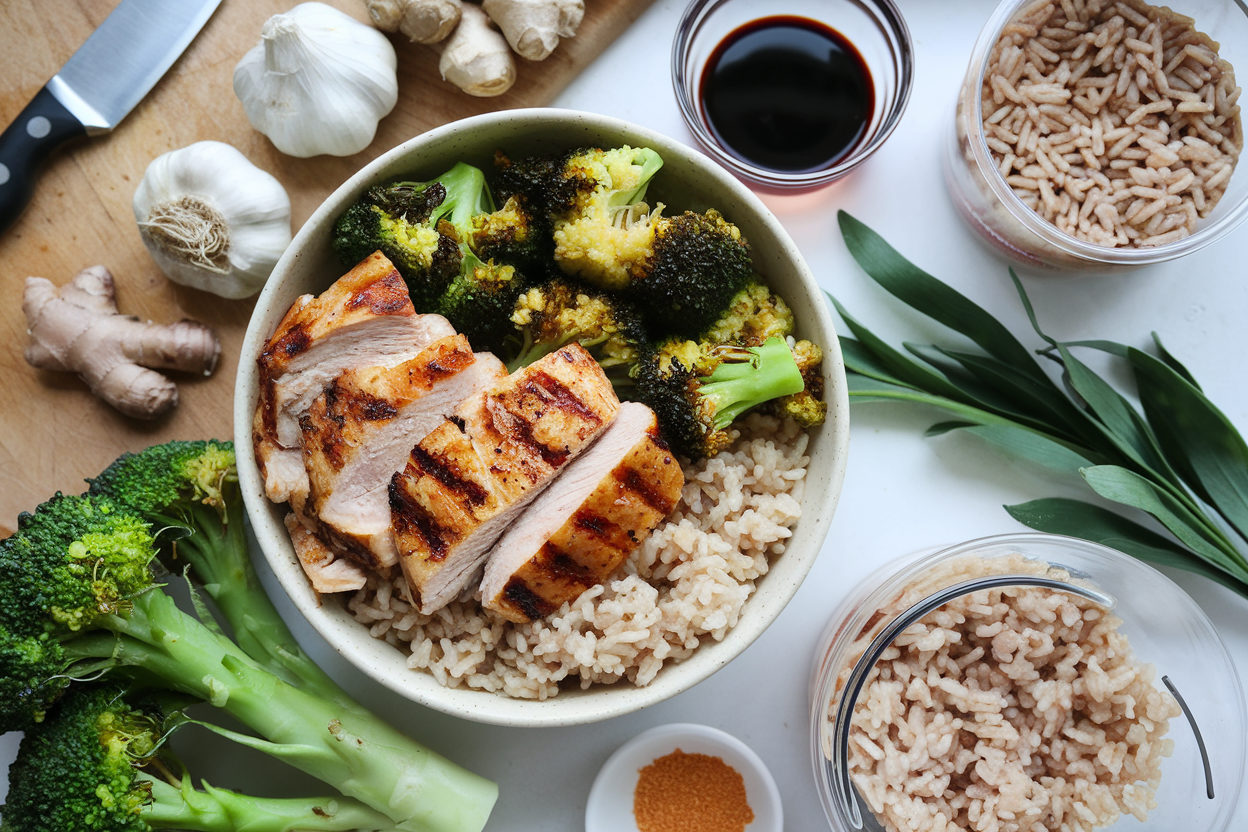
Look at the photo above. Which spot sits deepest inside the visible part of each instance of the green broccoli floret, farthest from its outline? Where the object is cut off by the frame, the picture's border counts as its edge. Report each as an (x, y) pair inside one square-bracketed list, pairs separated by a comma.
[(559, 313), (418, 226), (697, 390), (754, 314), (807, 408), (479, 300), (97, 764), (76, 577)]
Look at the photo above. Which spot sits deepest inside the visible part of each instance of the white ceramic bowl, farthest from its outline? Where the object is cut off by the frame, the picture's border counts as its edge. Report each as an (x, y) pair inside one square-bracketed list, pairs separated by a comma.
[(610, 804), (688, 180)]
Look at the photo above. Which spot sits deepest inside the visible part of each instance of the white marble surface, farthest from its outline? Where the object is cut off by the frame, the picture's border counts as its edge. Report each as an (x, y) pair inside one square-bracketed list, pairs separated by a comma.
[(902, 492)]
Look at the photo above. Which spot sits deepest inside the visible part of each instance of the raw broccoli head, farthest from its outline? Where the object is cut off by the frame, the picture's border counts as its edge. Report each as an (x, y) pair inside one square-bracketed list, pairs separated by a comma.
[(698, 265), (168, 479), (559, 312), (79, 770), (697, 390), (418, 226), (591, 202), (479, 300), (71, 563)]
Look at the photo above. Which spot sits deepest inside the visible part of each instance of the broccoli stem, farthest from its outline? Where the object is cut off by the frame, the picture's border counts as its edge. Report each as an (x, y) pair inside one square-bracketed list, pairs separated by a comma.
[(339, 743), (736, 386), (216, 810), (221, 560)]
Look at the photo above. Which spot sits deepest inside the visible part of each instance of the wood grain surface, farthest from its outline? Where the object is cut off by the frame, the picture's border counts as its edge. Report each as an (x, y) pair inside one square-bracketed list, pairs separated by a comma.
[(53, 433)]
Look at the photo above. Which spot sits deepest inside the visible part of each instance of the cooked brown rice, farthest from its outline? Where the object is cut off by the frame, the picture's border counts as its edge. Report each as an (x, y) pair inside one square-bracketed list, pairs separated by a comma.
[(1017, 709), (1115, 121), (687, 582)]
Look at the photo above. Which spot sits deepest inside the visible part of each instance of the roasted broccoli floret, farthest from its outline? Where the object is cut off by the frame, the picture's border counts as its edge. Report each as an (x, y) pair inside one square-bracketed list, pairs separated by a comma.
[(98, 764), (560, 312), (753, 315), (697, 390), (510, 236), (591, 202), (479, 300), (75, 583), (807, 407)]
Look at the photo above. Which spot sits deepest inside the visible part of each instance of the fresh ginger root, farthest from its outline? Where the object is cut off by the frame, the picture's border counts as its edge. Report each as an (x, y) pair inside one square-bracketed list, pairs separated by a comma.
[(476, 58), (534, 27), (424, 21), (77, 328)]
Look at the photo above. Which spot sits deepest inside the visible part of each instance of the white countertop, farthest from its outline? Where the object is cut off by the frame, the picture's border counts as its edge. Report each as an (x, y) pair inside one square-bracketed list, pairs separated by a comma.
[(902, 492)]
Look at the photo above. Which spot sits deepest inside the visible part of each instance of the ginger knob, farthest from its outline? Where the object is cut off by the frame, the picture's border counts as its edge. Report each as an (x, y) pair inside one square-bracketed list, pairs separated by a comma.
[(77, 329)]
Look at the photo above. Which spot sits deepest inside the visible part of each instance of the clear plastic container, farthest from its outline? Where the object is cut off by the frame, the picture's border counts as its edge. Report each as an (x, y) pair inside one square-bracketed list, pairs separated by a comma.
[(874, 27), (990, 207), (1164, 626)]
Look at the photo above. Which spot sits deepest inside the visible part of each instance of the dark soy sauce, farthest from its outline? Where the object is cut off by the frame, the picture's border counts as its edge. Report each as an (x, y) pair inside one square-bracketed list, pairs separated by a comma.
[(788, 94)]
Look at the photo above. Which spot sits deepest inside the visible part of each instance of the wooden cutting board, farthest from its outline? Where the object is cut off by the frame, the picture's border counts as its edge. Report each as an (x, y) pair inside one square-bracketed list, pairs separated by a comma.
[(53, 433)]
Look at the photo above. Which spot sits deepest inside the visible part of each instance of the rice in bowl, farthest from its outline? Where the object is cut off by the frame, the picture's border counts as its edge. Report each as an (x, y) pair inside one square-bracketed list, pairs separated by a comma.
[(686, 583)]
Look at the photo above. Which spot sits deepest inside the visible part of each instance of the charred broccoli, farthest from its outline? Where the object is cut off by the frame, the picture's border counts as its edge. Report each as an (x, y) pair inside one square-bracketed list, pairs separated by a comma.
[(457, 254), (560, 312), (697, 389), (99, 764)]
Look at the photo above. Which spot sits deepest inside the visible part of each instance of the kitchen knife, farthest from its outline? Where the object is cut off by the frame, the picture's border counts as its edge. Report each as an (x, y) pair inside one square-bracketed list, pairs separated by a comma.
[(97, 87)]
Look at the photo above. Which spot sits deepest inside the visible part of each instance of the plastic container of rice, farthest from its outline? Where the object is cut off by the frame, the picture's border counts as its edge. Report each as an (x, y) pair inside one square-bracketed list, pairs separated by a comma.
[(1024, 682), (1100, 136)]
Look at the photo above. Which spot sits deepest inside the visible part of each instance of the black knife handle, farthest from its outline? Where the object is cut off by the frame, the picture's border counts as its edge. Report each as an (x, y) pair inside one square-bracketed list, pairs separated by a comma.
[(42, 127)]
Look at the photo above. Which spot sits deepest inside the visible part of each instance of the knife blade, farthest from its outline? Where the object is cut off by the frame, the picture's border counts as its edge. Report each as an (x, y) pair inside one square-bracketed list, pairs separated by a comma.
[(109, 74)]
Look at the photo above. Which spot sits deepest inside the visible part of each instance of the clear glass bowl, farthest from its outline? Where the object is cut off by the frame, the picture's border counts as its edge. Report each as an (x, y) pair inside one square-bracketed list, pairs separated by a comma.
[(1164, 626), (874, 27), (990, 207)]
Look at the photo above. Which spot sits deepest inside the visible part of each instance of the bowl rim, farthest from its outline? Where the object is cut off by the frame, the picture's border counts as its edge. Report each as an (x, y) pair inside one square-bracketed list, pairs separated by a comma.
[(1208, 233), (497, 708)]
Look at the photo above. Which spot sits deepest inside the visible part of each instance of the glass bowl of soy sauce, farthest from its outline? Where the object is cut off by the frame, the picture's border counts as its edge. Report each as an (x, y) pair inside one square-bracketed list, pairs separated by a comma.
[(791, 95)]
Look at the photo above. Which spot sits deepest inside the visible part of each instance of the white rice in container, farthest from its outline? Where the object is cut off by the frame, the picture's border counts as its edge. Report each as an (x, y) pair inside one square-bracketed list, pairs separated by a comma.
[(1017, 709), (687, 582)]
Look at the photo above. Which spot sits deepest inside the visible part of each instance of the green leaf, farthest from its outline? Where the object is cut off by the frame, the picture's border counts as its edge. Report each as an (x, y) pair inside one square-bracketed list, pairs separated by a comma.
[(1121, 424), (1130, 489), (1032, 446), (1173, 363), (858, 359), (1075, 518), (895, 364), (1200, 441), (941, 428), (866, 389), (933, 298), (1027, 307), (982, 395)]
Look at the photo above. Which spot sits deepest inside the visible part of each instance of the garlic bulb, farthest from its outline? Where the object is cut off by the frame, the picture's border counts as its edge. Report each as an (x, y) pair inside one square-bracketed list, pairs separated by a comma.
[(212, 220), (318, 82)]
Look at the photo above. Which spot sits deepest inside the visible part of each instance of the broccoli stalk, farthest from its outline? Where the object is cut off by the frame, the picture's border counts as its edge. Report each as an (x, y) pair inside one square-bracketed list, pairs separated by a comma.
[(77, 596), (697, 398), (188, 491), (98, 764)]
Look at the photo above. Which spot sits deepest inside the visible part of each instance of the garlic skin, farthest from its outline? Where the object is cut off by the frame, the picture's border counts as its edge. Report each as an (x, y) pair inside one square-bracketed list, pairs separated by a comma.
[(212, 220), (318, 82)]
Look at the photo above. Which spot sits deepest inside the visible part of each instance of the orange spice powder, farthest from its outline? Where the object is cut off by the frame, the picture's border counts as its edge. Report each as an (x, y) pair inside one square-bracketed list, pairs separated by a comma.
[(691, 793)]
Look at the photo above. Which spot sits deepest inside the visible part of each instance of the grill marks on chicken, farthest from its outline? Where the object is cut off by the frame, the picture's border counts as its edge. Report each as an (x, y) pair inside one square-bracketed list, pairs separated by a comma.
[(365, 318), (359, 432), (472, 476), (581, 528)]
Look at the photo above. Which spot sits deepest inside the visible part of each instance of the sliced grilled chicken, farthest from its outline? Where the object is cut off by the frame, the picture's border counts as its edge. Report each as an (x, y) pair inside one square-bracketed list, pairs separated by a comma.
[(365, 318), (586, 523), (360, 430), (472, 476), (326, 571)]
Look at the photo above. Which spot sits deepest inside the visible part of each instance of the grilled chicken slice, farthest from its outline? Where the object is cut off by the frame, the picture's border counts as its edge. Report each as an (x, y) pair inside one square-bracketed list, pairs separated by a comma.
[(365, 318), (586, 523), (472, 476), (359, 432), (326, 571)]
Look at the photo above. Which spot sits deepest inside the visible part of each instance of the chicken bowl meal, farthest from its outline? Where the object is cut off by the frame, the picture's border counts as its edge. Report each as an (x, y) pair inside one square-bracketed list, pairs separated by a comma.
[(549, 419)]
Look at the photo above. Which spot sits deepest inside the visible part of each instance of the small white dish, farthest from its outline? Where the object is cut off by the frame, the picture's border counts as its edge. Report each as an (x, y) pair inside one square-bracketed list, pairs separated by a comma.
[(610, 804)]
